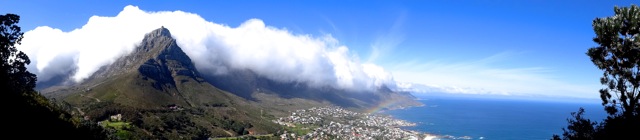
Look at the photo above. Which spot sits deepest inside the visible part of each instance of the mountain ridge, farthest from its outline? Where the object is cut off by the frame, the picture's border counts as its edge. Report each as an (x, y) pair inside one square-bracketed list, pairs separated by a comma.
[(246, 84)]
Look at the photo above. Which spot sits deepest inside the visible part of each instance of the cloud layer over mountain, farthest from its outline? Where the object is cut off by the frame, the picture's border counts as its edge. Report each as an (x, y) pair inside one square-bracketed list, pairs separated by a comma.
[(214, 48)]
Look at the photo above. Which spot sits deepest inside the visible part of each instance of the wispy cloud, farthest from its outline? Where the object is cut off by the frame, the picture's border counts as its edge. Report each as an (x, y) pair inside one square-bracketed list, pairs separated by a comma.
[(484, 76), (388, 40)]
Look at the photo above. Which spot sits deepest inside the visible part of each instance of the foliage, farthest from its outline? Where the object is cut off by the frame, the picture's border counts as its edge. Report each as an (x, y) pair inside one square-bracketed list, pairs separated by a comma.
[(14, 76), (618, 55), (238, 127), (251, 137), (579, 127), (116, 124), (301, 130), (29, 111)]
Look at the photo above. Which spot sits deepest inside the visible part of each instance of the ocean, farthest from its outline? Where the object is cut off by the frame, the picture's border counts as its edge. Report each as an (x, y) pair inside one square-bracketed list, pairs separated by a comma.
[(494, 118)]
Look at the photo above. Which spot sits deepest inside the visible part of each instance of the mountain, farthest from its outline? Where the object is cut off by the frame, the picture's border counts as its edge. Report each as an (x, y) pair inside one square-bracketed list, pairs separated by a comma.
[(250, 85), (158, 91)]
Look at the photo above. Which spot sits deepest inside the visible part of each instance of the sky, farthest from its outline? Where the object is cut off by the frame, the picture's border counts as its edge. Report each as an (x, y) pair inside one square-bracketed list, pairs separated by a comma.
[(517, 48)]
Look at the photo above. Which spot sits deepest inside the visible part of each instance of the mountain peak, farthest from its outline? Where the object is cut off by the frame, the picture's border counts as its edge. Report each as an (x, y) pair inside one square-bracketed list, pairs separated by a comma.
[(158, 57), (162, 31)]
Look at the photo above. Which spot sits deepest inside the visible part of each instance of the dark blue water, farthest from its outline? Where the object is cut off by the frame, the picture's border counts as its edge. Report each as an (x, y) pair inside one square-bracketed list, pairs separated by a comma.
[(494, 119)]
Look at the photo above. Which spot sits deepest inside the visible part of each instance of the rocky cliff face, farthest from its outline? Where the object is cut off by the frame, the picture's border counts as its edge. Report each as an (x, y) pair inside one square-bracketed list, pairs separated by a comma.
[(158, 56)]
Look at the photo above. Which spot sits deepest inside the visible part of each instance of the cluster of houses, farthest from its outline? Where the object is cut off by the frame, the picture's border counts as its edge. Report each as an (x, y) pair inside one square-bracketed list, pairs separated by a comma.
[(339, 123)]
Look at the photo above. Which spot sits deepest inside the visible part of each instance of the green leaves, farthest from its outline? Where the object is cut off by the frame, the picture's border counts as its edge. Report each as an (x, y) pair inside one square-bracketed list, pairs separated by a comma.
[(618, 55), (15, 76), (10, 32)]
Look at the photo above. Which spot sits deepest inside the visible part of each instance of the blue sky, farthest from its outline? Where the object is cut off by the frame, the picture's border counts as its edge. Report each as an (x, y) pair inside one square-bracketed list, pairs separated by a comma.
[(532, 47)]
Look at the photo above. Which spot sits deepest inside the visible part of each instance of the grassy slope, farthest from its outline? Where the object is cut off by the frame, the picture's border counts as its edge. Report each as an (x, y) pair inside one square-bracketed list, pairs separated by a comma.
[(204, 106), (34, 115)]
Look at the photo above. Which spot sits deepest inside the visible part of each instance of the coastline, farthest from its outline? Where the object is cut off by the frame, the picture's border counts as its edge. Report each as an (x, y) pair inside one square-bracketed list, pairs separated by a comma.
[(338, 123), (419, 134), (450, 118)]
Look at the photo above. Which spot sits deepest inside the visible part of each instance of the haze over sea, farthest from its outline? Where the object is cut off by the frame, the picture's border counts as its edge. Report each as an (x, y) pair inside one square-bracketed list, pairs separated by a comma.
[(483, 118)]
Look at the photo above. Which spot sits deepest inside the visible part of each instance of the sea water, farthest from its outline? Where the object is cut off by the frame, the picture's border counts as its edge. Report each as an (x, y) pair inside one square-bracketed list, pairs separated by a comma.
[(464, 118)]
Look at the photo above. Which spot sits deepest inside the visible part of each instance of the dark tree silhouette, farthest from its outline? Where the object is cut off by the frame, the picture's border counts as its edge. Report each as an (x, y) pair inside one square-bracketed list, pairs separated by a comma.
[(579, 128), (618, 55), (15, 77), (25, 111)]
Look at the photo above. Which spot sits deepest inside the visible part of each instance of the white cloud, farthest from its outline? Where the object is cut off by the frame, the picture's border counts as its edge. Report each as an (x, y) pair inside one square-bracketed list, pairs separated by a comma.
[(483, 77), (277, 54), (214, 48), (418, 88)]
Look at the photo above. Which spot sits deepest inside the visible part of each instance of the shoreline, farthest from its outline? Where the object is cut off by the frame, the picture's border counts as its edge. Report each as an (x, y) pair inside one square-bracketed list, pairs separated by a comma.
[(339, 123), (419, 134), (424, 135)]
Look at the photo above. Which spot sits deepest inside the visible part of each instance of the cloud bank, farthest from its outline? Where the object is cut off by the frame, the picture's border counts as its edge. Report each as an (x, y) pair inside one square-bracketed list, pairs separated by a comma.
[(214, 48), (418, 88), (484, 77)]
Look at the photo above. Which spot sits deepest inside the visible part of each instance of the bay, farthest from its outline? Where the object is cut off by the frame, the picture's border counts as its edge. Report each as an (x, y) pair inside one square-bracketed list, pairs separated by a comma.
[(494, 118)]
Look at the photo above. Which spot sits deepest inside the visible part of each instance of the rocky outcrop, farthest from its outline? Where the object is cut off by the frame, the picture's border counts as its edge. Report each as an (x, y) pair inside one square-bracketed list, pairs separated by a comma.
[(158, 57)]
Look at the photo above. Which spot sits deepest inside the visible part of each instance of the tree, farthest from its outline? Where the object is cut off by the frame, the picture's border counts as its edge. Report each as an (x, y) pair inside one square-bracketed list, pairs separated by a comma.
[(579, 128), (25, 110), (618, 56), (14, 75)]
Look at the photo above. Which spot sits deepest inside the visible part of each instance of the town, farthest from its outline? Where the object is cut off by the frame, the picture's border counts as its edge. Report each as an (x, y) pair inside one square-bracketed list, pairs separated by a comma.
[(339, 123)]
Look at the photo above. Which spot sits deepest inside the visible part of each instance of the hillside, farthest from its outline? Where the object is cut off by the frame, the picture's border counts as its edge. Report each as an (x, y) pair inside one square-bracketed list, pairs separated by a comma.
[(159, 92), (254, 87)]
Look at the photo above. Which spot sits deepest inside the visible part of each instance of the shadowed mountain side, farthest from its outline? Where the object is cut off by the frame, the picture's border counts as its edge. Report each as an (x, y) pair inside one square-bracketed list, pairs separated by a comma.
[(58, 80), (246, 83)]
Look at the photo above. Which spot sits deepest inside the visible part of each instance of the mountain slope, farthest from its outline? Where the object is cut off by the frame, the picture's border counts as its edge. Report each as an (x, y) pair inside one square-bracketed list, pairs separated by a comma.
[(158, 90), (248, 84)]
